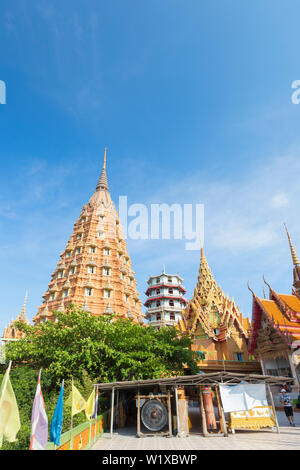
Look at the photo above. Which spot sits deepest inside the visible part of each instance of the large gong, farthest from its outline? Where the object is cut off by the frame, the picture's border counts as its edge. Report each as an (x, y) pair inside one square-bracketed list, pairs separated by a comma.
[(154, 415)]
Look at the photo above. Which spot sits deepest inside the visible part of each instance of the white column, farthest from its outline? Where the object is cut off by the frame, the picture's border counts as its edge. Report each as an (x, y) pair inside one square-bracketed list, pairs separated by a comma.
[(293, 369)]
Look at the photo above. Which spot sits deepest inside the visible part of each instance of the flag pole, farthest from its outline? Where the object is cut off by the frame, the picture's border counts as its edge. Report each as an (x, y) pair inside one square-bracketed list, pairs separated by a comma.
[(62, 384), (91, 417), (96, 409), (71, 443)]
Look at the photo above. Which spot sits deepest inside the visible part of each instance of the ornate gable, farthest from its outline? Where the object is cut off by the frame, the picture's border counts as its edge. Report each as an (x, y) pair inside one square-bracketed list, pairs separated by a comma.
[(209, 307)]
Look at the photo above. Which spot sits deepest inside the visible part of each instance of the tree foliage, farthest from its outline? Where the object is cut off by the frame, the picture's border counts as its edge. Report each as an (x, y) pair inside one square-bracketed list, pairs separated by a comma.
[(88, 349), (107, 348)]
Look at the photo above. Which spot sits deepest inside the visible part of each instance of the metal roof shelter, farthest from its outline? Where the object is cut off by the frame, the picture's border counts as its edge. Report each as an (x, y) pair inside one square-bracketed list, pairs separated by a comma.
[(213, 378), (203, 379)]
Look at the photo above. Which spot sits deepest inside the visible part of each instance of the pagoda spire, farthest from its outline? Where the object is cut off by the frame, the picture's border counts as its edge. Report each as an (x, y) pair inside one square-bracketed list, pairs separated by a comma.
[(22, 316), (293, 251), (102, 182)]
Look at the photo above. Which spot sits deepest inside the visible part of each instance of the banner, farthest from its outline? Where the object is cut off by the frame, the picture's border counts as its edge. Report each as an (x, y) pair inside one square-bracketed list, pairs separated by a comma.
[(242, 397), (39, 421), (9, 412)]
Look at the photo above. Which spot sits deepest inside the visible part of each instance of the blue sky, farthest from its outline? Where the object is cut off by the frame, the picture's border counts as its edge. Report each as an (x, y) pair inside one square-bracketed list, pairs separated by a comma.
[(192, 99)]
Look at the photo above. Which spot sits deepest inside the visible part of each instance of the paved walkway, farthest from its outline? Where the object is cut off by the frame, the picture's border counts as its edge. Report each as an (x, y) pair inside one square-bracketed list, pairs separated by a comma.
[(289, 439)]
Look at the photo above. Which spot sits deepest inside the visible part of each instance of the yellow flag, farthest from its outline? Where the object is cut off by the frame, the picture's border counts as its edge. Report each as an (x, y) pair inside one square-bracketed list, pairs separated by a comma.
[(9, 413), (78, 402), (90, 405)]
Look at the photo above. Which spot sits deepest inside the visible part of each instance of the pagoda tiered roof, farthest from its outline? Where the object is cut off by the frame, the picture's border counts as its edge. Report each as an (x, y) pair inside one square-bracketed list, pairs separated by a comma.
[(95, 273)]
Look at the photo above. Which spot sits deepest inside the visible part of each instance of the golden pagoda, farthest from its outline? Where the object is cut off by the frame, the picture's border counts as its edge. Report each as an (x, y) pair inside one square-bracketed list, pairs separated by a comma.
[(11, 332), (218, 328), (94, 271)]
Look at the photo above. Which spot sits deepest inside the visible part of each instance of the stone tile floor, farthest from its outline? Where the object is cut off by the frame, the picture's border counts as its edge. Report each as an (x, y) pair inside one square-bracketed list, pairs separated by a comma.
[(288, 439)]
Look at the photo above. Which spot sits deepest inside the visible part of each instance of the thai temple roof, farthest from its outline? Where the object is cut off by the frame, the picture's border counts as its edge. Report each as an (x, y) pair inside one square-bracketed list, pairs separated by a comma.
[(280, 313), (210, 307)]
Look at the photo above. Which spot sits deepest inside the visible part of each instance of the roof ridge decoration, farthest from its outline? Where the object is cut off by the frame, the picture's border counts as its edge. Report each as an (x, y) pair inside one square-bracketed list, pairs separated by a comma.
[(102, 182), (293, 251), (275, 297)]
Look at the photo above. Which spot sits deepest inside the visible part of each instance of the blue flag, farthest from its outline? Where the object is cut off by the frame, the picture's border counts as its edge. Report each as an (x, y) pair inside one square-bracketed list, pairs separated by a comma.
[(57, 420)]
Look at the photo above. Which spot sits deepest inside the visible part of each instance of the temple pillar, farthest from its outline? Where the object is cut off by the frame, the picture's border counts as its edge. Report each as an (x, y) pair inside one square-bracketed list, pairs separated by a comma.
[(209, 408), (293, 370)]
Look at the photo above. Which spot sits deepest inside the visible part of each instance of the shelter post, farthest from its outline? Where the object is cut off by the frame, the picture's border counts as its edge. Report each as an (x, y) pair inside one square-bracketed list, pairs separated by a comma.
[(221, 413), (138, 414), (177, 413), (203, 415), (112, 412), (169, 413), (273, 408)]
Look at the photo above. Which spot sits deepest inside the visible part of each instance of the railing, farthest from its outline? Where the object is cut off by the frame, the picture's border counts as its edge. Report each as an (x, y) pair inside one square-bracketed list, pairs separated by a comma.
[(221, 363), (82, 436)]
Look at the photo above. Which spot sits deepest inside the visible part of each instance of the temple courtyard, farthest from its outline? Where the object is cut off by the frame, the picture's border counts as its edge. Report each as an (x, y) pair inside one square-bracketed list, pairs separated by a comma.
[(287, 439)]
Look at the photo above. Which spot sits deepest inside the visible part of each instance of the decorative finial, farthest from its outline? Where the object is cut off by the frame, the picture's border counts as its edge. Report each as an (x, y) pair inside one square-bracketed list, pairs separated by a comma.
[(102, 183), (293, 252), (104, 162), (22, 314)]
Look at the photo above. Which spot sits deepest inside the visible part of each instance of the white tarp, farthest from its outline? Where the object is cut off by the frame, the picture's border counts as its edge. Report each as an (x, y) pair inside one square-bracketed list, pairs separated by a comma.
[(242, 397)]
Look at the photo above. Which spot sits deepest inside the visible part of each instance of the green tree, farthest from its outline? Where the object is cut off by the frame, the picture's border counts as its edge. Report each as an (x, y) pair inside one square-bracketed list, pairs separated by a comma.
[(88, 349), (107, 348)]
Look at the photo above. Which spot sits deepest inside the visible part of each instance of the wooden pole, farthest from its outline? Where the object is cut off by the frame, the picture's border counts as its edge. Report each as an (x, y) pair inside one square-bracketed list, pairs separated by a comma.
[(221, 412), (169, 413), (262, 364), (177, 413), (138, 414), (112, 412), (203, 415), (273, 407)]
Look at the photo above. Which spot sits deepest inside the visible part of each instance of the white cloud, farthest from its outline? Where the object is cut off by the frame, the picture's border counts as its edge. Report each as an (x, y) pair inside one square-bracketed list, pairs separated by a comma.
[(279, 200)]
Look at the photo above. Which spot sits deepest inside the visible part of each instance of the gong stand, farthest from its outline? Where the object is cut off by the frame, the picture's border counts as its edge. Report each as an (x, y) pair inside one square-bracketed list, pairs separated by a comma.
[(154, 397)]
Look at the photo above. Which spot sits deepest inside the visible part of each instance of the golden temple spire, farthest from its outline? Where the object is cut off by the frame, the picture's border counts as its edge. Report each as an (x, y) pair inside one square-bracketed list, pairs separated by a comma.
[(23, 311), (293, 252), (102, 183)]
